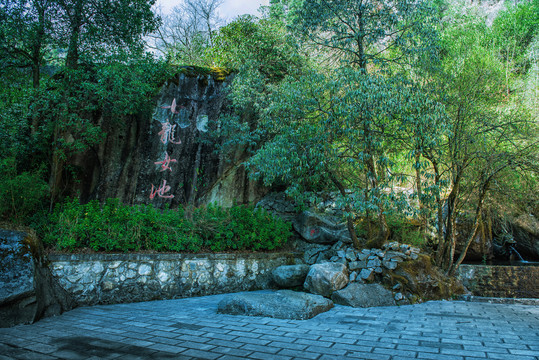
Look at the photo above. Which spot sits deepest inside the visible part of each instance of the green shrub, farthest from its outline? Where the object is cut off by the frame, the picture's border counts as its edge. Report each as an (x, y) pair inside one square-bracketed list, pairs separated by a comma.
[(118, 227), (401, 229), (21, 195)]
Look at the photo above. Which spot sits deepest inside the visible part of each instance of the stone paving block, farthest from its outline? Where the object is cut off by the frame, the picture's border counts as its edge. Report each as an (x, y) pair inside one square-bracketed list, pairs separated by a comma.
[(462, 341), (261, 349), (320, 343), (523, 352), (201, 354), (220, 336), (355, 348), (245, 334), (265, 356), (231, 351), (367, 356), (418, 348), (511, 357), (327, 351), (430, 356), (392, 352), (165, 334), (196, 346), (300, 354), (288, 345), (162, 340), (463, 352), (168, 348)]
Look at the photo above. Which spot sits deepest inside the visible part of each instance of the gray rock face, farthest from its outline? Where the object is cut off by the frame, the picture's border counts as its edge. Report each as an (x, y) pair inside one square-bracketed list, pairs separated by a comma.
[(28, 291), (281, 304), (325, 278), (288, 276), (321, 228), (364, 295)]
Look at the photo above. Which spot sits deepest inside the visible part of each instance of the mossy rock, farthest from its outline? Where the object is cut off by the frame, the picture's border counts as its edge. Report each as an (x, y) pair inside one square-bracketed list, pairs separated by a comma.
[(424, 280)]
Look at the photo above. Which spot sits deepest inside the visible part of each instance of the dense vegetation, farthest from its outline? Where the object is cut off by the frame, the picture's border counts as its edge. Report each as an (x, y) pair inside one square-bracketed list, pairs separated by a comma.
[(418, 111), (118, 227)]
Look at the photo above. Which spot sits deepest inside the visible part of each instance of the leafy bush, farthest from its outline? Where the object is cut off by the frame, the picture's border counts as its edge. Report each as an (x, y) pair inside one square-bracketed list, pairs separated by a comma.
[(21, 195), (118, 227), (401, 229)]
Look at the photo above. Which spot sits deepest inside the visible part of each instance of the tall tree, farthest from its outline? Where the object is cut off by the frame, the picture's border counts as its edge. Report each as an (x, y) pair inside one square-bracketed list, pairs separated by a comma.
[(25, 34), (101, 27), (188, 31)]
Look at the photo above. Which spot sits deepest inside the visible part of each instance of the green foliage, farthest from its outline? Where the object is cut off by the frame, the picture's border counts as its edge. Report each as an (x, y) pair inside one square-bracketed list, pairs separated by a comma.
[(117, 227), (368, 32), (21, 195), (403, 230), (513, 31)]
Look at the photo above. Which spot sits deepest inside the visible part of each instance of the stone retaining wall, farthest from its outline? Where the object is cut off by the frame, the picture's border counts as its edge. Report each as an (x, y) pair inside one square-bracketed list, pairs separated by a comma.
[(501, 281), (120, 278)]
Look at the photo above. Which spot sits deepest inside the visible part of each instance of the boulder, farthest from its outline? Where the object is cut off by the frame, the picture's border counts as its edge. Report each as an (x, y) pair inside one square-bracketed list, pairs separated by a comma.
[(363, 295), (325, 278), (526, 233), (288, 276), (28, 290), (281, 304), (321, 228), (424, 280)]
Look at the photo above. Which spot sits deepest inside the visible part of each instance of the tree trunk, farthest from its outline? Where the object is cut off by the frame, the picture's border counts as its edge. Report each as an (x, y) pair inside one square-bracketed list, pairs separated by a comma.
[(349, 219), (419, 190), (72, 57), (477, 223)]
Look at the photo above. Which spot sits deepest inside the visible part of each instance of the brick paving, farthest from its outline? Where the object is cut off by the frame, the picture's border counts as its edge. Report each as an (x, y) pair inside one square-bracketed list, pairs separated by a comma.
[(192, 329)]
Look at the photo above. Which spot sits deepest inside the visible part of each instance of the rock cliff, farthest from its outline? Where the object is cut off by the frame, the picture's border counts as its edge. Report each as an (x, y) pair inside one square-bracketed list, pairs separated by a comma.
[(168, 156)]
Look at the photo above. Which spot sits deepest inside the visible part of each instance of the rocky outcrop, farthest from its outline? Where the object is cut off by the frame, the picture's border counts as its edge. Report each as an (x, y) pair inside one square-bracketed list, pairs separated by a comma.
[(321, 228), (525, 230), (168, 157), (28, 291), (363, 295), (325, 278), (281, 304), (289, 276)]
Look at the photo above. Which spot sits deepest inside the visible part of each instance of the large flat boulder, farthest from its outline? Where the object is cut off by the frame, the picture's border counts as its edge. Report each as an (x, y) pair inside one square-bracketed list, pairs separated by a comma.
[(325, 278), (28, 291), (321, 228), (288, 276), (364, 295), (280, 304)]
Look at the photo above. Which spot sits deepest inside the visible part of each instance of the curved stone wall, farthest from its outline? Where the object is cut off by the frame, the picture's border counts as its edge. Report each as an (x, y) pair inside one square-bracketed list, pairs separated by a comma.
[(119, 278)]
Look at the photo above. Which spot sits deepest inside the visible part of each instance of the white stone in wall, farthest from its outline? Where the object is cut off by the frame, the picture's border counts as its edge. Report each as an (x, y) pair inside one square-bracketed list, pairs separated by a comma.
[(114, 264), (163, 276), (144, 269), (74, 278), (98, 268)]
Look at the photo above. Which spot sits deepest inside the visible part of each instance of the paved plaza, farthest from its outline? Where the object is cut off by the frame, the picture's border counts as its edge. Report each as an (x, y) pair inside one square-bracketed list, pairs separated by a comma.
[(192, 329)]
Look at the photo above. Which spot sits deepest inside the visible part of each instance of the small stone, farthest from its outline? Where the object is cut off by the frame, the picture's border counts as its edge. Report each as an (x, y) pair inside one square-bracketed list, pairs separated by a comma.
[(374, 263), (353, 276), (378, 270), (390, 264), (145, 269), (366, 274), (163, 276), (357, 265), (397, 286), (341, 254), (399, 296), (114, 264), (363, 256), (350, 255), (414, 256)]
